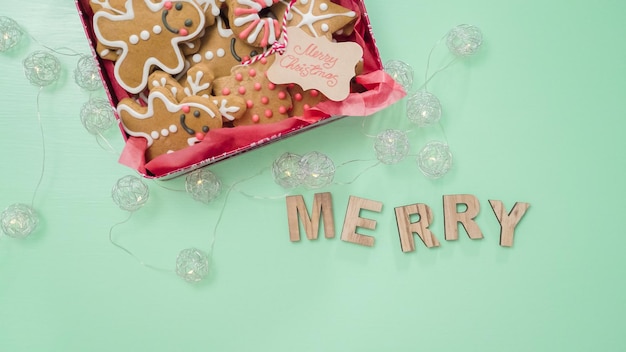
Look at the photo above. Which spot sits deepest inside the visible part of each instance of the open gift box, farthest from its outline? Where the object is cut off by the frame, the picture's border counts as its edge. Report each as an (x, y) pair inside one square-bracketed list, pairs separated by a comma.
[(370, 90)]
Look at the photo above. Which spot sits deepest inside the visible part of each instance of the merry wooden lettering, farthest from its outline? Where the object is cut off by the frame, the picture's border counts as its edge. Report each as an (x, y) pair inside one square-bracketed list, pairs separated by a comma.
[(298, 213)]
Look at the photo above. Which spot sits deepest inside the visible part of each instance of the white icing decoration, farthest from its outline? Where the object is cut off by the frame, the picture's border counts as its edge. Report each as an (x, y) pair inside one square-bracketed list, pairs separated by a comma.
[(105, 52), (171, 107), (309, 19), (210, 4), (145, 35), (223, 31), (192, 140), (169, 152), (195, 85), (133, 39), (155, 135), (119, 40), (157, 29), (196, 58), (325, 27), (173, 128), (208, 55), (165, 132), (226, 110), (221, 52), (106, 5), (323, 7)]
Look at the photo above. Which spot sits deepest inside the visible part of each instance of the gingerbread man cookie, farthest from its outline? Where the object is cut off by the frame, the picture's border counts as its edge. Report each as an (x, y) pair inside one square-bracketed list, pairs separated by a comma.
[(221, 49), (148, 35), (168, 125), (266, 102)]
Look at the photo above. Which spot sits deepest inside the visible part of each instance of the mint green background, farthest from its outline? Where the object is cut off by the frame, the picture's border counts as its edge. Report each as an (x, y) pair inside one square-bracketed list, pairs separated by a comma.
[(537, 116)]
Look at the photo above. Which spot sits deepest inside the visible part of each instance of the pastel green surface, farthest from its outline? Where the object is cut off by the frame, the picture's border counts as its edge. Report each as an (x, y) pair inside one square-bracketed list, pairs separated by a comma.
[(537, 116)]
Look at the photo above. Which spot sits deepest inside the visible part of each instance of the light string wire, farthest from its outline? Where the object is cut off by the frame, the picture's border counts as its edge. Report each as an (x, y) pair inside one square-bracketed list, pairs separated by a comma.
[(128, 251), (43, 150)]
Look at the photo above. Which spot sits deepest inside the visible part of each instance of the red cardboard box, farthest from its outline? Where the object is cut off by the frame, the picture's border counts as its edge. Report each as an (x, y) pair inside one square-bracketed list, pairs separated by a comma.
[(374, 90)]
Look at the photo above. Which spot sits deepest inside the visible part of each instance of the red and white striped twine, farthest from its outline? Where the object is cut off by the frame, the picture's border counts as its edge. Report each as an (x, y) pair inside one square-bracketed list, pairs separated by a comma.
[(278, 46)]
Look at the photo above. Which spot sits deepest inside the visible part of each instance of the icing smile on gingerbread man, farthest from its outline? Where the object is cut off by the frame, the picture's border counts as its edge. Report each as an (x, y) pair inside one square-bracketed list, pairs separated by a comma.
[(168, 7), (199, 136)]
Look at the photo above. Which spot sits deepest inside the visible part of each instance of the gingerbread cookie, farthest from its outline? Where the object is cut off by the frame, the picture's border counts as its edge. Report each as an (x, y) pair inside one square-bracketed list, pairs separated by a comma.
[(197, 81), (253, 22), (221, 49), (266, 102), (318, 18), (304, 100), (168, 125), (148, 35)]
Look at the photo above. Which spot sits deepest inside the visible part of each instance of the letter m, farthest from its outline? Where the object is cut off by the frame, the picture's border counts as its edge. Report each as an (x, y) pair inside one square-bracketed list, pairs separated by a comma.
[(297, 211)]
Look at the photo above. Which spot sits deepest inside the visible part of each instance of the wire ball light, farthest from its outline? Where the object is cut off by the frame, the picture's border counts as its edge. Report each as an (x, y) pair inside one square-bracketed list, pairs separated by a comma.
[(192, 265), (316, 170), (130, 193), (42, 68), (286, 170), (423, 108), (391, 146), (10, 33), (86, 74), (203, 185), (97, 116), (464, 40), (435, 159), (312, 170), (401, 72), (18, 220)]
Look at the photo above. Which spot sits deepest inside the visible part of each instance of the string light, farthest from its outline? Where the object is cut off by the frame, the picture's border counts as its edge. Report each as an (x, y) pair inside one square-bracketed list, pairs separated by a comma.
[(42, 68), (423, 108), (10, 33), (18, 220), (464, 40), (316, 170), (203, 185), (130, 193), (435, 159), (192, 265), (401, 72), (286, 170), (391, 146), (86, 74), (97, 116)]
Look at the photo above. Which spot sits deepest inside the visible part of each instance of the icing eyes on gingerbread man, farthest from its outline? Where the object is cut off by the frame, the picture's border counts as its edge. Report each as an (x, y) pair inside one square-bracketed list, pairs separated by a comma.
[(168, 125), (148, 34)]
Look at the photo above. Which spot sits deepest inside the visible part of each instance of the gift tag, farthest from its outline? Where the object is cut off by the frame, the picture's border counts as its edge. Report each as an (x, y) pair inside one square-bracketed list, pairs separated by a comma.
[(316, 63)]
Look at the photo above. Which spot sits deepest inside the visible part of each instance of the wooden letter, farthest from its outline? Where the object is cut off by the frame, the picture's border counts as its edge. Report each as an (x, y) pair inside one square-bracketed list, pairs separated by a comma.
[(406, 229), (508, 221), (352, 221), (466, 218), (322, 204)]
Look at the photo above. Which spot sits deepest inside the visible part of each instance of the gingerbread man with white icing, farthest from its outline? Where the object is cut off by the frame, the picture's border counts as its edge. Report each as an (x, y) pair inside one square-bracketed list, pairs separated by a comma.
[(147, 35), (169, 125)]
